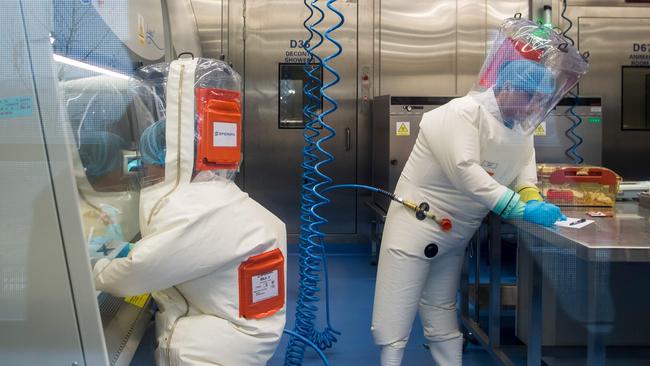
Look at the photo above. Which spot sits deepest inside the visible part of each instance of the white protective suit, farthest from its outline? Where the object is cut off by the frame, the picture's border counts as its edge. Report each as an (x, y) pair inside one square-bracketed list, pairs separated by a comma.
[(462, 161), (195, 236), (469, 156)]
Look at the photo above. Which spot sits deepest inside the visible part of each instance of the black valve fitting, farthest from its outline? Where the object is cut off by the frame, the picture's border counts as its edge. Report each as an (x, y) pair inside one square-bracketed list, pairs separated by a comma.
[(420, 213)]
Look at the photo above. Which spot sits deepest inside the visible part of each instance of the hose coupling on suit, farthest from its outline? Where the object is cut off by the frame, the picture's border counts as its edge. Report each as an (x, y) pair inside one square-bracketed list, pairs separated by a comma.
[(422, 212)]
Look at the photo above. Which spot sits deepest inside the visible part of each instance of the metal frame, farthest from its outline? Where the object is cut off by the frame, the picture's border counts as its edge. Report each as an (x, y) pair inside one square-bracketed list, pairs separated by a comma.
[(491, 341), (64, 193), (304, 80), (376, 229)]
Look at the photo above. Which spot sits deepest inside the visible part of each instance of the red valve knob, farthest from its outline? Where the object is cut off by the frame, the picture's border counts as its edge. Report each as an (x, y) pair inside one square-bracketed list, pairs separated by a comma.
[(445, 224)]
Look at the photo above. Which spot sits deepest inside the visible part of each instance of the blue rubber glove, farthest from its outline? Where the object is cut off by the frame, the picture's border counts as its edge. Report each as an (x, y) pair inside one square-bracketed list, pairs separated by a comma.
[(542, 213), (125, 251)]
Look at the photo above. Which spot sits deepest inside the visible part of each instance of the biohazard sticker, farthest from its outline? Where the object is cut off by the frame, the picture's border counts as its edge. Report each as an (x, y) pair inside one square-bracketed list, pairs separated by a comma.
[(265, 286), (541, 129), (489, 167), (403, 128)]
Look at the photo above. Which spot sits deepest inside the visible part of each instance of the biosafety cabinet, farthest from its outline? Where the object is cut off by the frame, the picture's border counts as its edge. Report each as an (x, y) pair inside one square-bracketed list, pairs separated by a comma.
[(50, 313)]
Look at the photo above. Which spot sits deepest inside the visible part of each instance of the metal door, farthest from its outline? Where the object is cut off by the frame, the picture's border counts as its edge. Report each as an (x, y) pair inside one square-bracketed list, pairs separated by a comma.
[(611, 42), (273, 155)]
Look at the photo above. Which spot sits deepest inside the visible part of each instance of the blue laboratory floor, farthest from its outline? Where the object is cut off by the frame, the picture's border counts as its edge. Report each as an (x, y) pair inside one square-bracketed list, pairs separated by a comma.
[(352, 284)]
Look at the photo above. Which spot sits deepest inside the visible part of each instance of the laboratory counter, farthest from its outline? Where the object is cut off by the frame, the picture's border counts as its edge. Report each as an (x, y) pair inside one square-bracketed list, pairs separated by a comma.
[(624, 237), (586, 256)]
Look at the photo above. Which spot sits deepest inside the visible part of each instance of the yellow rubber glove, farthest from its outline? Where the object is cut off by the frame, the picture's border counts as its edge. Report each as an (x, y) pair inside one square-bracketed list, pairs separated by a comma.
[(529, 192)]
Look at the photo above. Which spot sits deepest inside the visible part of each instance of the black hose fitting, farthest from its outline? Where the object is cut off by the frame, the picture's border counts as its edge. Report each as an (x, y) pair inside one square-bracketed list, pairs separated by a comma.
[(421, 211)]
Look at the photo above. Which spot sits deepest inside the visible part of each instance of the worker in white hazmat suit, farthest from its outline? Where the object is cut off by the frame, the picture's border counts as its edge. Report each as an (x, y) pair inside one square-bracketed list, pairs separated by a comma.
[(212, 257), (472, 155), (108, 200), (108, 193)]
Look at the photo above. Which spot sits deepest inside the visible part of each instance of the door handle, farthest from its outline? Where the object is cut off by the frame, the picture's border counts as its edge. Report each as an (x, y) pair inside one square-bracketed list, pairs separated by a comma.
[(348, 134)]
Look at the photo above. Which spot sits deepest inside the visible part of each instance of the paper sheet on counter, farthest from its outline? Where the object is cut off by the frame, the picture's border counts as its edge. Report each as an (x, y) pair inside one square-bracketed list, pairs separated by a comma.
[(572, 223)]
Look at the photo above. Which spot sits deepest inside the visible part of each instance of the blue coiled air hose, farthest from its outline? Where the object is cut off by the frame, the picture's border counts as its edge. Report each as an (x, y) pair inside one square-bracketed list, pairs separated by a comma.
[(360, 186), (571, 152), (564, 33), (312, 345), (312, 251), (576, 121)]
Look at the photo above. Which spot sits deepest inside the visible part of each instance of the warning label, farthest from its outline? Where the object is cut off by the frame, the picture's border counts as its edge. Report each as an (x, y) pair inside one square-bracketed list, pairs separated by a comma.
[(403, 128), (139, 301), (15, 107), (541, 129), (265, 286)]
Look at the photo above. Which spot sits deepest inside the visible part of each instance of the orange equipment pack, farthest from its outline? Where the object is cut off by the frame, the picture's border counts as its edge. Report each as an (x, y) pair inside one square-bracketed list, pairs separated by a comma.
[(219, 127), (261, 285)]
